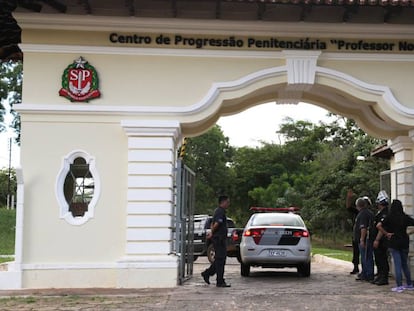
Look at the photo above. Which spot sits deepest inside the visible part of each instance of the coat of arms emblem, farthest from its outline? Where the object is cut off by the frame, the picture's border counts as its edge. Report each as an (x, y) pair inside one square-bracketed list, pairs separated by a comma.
[(80, 82)]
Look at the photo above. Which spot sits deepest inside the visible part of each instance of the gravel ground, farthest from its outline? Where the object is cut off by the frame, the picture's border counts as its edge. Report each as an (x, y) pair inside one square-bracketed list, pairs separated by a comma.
[(330, 287)]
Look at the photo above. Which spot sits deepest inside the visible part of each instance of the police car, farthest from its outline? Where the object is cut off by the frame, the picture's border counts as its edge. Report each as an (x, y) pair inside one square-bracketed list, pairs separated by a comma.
[(275, 238)]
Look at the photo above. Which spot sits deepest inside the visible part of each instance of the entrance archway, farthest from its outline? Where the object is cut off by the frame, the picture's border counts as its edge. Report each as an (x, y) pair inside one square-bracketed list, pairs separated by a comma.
[(160, 80), (373, 107)]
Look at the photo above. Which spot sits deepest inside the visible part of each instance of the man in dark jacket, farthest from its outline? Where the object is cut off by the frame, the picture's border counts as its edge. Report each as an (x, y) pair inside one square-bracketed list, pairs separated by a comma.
[(218, 237), (381, 242), (363, 226)]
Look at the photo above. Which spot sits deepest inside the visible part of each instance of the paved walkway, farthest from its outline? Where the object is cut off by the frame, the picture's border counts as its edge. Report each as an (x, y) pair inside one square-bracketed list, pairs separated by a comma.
[(330, 287)]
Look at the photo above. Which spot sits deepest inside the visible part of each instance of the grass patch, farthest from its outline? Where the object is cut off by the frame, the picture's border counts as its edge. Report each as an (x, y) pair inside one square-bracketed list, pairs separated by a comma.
[(6, 259), (338, 252), (7, 231), (333, 253)]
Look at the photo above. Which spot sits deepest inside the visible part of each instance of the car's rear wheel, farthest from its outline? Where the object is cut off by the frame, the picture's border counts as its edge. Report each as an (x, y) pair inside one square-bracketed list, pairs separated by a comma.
[(239, 257), (244, 269), (305, 269), (211, 253)]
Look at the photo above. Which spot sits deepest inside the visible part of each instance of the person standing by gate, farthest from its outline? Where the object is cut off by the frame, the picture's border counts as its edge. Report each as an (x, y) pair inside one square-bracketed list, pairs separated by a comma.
[(394, 227), (381, 243), (362, 230), (355, 244), (218, 236)]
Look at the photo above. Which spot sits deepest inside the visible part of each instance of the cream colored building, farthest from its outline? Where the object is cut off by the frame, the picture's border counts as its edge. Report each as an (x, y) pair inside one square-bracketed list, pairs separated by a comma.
[(162, 79)]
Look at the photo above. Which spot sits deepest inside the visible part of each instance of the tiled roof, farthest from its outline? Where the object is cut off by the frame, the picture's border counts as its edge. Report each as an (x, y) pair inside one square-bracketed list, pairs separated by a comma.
[(321, 11)]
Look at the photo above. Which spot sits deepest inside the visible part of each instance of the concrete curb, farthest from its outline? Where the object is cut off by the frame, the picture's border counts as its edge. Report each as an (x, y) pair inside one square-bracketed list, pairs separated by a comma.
[(332, 261)]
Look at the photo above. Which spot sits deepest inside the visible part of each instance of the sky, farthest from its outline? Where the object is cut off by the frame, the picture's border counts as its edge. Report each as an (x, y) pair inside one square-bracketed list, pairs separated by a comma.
[(5, 145), (260, 123), (247, 128)]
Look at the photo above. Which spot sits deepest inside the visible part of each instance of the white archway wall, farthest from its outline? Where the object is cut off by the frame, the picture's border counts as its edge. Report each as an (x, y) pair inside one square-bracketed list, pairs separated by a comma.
[(394, 74), (336, 91), (142, 89)]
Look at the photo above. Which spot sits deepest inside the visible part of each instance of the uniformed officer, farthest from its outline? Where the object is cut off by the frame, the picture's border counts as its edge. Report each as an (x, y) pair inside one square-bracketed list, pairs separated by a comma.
[(381, 243), (218, 237), (355, 244), (362, 230)]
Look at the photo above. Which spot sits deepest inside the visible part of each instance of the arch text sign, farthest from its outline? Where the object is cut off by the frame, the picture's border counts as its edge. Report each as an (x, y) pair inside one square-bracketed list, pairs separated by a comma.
[(259, 43)]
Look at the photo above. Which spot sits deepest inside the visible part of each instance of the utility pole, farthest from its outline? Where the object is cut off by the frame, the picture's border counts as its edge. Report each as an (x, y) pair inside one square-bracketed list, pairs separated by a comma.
[(9, 200)]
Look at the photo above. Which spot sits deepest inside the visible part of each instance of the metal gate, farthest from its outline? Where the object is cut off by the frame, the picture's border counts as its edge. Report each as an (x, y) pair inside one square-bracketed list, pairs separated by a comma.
[(389, 181), (184, 224)]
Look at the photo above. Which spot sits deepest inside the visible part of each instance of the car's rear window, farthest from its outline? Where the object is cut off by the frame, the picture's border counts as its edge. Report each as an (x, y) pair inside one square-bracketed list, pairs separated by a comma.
[(267, 219)]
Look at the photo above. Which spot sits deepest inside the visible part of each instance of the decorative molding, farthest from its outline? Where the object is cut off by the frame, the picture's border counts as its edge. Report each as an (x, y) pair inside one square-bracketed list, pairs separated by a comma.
[(400, 143), (289, 96), (301, 68), (367, 57), (60, 180), (211, 96), (203, 104), (118, 50), (151, 128), (245, 54), (192, 26), (376, 89)]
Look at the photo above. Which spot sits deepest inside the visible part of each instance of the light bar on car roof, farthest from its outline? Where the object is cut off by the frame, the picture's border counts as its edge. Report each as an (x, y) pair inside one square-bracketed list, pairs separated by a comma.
[(290, 209)]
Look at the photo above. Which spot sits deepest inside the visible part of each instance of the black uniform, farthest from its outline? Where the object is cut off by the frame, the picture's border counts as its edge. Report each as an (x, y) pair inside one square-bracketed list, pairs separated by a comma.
[(381, 253), (219, 242), (365, 220), (355, 243)]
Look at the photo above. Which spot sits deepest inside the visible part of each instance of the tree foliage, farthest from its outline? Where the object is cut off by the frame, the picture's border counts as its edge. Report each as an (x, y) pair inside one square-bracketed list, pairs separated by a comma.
[(11, 78), (312, 169), (210, 156), (7, 184)]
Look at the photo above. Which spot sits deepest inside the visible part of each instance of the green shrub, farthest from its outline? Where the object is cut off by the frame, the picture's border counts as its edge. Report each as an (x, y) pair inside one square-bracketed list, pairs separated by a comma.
[(7, 231)]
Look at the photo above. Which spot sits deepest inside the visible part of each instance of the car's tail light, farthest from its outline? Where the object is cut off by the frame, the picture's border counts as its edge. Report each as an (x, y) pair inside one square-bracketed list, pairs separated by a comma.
[(235, 236), (301, 234), (255, 233)]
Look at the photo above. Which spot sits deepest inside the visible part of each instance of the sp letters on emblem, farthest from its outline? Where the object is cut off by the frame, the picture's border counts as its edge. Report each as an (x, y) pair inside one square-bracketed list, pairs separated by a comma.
[(80, 82)]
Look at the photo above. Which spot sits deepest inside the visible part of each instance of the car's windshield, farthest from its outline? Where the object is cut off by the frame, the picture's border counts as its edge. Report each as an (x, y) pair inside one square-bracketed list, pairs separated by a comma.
[(280, 219)]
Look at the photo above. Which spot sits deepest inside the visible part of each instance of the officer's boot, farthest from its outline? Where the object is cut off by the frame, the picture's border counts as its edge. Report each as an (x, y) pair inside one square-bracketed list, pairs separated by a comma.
[(377, 278), (382, 280), (355, 271)]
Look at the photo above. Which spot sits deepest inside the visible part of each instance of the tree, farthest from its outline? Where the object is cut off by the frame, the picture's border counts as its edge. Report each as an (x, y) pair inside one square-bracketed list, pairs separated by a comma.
[(11, 77), (317, 165), (4, 185), (210, 156), (253, 168), (336, 169)]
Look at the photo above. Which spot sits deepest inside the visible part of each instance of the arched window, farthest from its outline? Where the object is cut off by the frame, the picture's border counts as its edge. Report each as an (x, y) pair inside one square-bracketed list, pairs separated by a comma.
[(77, 187)]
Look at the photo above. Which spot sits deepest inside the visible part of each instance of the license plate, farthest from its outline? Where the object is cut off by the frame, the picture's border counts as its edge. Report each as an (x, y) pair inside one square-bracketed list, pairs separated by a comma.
[(284, 232), (277, 253)]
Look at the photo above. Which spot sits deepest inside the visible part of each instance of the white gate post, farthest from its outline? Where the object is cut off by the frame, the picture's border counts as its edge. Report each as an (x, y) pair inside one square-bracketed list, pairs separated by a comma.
[(152, 156), (402, 146)]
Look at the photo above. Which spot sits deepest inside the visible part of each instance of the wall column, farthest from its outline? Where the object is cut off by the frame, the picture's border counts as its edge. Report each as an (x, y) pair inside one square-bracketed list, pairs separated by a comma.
[(150, 201), (402, 146)]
